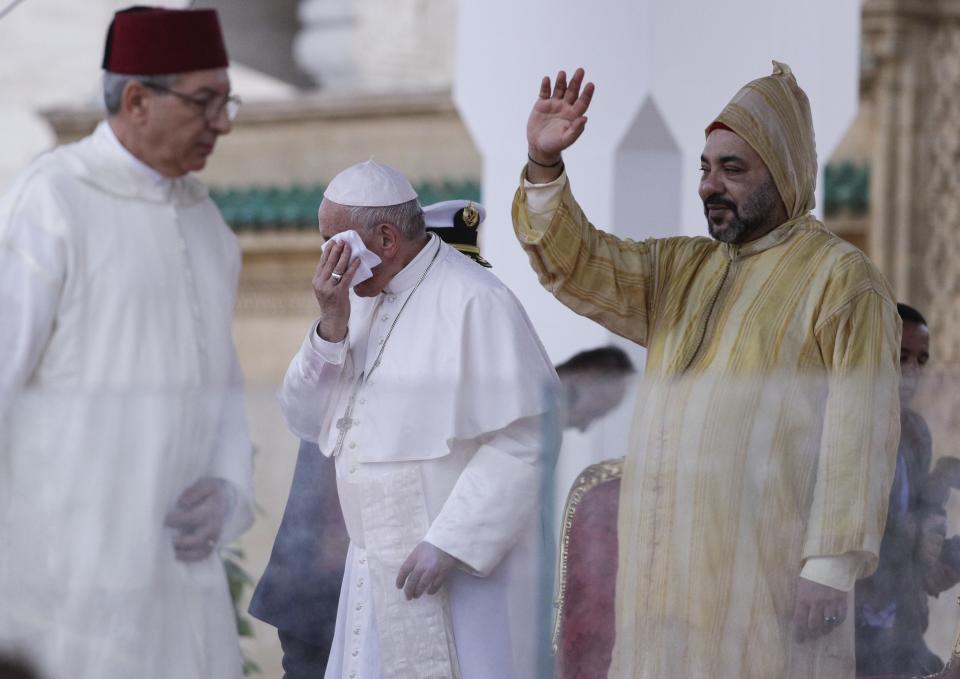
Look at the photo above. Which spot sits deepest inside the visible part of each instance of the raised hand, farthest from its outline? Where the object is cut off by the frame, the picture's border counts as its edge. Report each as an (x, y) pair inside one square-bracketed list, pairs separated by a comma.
[(331, 286), (556, 122)]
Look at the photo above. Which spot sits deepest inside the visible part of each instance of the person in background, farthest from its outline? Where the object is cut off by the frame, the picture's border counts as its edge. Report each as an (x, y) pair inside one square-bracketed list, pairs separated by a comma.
[(594, 382), (124, 451), (300, 587), (916, 561)]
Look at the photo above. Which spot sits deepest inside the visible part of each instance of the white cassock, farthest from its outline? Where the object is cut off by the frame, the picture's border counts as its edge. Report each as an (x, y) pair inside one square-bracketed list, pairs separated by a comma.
[(444, 446), (119, 388)]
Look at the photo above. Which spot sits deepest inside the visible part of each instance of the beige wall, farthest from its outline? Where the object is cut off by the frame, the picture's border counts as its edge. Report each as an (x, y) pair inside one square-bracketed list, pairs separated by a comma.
[(308, 139)]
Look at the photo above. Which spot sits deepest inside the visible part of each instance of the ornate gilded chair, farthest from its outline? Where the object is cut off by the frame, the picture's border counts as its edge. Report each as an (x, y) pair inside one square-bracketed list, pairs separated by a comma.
[(952, 670), (584, 628)]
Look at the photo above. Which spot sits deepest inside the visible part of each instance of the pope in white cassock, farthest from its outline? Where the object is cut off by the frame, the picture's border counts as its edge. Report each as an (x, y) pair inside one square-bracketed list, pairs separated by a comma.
[(124, 457), (426, 382)]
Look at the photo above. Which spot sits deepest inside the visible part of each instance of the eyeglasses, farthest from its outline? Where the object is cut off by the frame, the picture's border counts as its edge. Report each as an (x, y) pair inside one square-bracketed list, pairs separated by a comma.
[(212, 105)]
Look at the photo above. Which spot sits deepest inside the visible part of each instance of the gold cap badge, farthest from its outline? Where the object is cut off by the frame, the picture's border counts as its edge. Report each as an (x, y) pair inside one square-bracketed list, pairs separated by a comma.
[(471, 216)]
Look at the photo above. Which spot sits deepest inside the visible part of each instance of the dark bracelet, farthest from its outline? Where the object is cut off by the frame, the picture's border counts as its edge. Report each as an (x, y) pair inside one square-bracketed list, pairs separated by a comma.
[(530, 158)]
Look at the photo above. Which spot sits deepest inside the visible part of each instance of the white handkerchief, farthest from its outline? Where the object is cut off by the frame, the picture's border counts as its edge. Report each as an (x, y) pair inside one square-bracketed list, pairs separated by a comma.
[(368, 259)]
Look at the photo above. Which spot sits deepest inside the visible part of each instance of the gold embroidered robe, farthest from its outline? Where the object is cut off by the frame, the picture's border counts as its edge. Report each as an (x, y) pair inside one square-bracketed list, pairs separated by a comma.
[(765, 433)]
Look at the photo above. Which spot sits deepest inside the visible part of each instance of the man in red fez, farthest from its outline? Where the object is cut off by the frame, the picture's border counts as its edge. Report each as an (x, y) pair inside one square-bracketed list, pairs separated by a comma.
[(123, 448)]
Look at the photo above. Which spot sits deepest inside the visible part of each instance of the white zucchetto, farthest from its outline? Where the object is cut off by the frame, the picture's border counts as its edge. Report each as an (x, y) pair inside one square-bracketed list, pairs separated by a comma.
[(369, 184)]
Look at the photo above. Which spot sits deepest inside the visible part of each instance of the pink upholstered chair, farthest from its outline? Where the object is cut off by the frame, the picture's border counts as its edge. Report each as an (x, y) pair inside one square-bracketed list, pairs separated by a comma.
[(584, 629)]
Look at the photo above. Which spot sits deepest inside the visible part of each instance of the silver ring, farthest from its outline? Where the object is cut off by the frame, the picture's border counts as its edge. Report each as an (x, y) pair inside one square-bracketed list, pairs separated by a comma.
[(832, 620), (336, 276)]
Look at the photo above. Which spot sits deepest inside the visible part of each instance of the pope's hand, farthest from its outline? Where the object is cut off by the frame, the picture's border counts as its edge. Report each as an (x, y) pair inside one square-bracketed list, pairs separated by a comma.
[(556, 121), (198, 518), (818, 611), (331, 286), (424, 571)]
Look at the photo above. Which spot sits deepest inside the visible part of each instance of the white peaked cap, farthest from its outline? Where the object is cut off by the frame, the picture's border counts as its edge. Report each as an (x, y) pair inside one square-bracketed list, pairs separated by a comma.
[(369, 184), (441, 215)]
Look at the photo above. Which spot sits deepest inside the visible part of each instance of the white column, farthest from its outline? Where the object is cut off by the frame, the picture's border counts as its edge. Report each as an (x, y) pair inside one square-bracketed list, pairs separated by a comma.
[(324, 47), (377, 45), (406, 44)]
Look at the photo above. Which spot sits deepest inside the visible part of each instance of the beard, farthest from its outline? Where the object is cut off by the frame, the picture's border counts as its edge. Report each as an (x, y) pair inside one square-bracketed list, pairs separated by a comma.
[(754, 217)]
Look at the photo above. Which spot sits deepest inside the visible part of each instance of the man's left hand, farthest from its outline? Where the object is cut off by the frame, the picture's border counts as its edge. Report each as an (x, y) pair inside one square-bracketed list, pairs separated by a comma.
[(818, 611), (198, 518), (424, 571)]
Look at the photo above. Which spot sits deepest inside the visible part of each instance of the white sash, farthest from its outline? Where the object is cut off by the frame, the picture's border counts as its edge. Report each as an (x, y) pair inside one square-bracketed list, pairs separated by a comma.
[(416, 637)]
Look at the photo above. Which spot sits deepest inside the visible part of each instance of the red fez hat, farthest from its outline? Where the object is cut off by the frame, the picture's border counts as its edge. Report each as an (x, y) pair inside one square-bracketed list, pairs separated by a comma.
[(157, 41)]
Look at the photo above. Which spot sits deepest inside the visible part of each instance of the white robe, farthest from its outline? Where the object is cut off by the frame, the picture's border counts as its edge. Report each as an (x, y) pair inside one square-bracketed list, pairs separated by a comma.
[(119, 387), (445, 448)]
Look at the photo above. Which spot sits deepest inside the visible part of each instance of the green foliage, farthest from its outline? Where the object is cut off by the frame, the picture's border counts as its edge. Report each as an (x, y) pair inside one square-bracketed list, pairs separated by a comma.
[(238, 580)]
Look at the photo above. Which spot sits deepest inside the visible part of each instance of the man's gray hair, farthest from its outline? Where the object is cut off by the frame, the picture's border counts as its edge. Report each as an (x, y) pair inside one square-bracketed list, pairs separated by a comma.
[(113, 84), (407, 217)]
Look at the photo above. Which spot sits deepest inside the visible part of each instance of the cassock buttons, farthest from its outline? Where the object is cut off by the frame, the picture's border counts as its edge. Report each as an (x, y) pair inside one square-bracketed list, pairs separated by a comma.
[(384, 318), (355, 652)]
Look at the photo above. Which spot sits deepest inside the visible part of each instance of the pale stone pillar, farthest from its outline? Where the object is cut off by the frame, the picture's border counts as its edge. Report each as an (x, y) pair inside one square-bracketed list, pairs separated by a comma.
[(912, 69), (913, 49), (407, 45), (324, 46), (377, 45)]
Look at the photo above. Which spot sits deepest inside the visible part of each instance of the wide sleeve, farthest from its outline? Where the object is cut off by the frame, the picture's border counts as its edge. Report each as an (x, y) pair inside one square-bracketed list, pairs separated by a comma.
[(505, 391), (312, 386), (860, 344), (494, 499), (34, 261), (597, 275)]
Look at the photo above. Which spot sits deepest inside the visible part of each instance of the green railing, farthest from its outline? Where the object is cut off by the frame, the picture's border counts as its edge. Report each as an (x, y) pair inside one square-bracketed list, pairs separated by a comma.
[(294, 208), (846, 189)]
